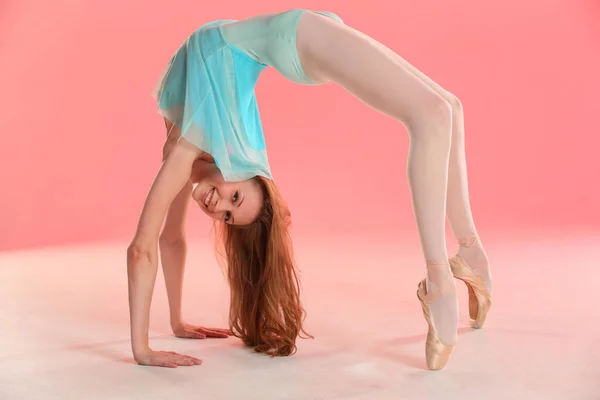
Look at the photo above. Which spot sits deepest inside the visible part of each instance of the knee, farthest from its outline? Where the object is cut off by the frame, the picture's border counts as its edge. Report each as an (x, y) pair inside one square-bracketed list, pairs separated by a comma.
[(441, 112), (455, 103), (435, 118)]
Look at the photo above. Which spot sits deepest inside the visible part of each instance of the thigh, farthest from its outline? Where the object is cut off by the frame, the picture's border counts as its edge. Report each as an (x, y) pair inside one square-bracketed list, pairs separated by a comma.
[(415, 71), (362, 67)]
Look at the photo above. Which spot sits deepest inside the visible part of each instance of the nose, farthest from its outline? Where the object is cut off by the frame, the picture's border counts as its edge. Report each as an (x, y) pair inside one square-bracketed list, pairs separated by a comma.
[(222, 206)]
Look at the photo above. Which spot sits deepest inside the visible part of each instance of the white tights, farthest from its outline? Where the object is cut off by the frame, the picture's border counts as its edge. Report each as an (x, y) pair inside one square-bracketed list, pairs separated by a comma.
[(433, 117)]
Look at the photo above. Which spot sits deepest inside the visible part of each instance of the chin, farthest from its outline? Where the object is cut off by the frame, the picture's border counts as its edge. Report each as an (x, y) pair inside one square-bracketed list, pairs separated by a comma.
[(197, 193)]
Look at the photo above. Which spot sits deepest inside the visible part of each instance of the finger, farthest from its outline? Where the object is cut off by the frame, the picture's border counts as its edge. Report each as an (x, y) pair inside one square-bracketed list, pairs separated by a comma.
[(179, 358), (212, 333), (195, 360), (226, 331), (175, 357), (190, 334), (195, 334), (185, 362), (222, 330), (171, 354), (188, 360), (167, 364)]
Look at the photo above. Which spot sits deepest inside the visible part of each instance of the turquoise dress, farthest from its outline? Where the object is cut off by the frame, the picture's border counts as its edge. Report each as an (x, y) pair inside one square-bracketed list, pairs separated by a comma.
[(207, 88)]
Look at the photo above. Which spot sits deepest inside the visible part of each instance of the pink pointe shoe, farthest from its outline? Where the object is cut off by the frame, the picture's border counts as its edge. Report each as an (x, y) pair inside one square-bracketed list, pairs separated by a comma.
[(480, 299), (437, 352)]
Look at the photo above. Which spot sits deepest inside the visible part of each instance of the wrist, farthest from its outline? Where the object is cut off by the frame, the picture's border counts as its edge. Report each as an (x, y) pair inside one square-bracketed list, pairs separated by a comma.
[(176, 323), (140, 351)]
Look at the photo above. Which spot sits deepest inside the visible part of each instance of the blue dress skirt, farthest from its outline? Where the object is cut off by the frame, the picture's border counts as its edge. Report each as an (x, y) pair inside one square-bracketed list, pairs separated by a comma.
[(207, 87)]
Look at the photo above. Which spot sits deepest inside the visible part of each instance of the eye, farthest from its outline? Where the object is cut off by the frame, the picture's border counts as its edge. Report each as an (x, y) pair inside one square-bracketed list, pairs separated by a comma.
[(227, 216), (236, 196)]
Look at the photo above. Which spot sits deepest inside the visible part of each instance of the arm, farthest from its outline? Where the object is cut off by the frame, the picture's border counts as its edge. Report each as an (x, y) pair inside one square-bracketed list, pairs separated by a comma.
[(173, 245), (173, 248), (173, 251), (142, 255)]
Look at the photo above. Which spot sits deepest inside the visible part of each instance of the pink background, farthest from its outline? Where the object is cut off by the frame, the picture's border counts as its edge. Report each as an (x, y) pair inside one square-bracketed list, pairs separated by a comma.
[(81, 140)]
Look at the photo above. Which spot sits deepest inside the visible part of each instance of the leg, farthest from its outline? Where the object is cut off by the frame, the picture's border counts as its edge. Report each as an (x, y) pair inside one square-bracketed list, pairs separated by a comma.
[(458, 207), (390, 88)]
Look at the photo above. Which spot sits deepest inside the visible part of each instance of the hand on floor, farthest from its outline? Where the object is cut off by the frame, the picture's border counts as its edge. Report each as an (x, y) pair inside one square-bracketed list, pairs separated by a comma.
[(167, 359), (188, 331)]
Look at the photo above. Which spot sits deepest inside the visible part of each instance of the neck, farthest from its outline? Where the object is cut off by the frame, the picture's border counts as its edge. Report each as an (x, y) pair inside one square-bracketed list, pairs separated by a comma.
[(197, 173), (199, 170)]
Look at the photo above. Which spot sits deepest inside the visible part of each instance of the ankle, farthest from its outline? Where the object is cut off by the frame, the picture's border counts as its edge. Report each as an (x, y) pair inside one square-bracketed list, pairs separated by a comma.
[(439, 269), (472, 252), (469, 241), (437, 263), (439, 277)]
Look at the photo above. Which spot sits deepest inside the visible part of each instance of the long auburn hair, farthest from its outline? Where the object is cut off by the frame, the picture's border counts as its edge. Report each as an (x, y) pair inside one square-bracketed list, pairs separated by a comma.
[(265, 308)]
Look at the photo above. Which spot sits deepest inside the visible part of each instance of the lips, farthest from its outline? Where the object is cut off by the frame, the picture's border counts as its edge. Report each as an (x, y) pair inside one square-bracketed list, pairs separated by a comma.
[(206, 199)]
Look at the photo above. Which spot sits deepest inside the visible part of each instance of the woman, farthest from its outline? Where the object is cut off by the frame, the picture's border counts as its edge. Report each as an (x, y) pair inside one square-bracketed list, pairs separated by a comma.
[(215, 154)]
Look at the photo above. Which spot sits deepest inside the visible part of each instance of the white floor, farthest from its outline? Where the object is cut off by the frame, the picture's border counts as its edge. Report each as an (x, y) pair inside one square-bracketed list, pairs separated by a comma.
[(64, 327)]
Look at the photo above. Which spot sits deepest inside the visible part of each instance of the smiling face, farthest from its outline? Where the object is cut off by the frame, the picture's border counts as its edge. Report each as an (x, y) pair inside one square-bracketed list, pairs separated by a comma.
[(237, 203)]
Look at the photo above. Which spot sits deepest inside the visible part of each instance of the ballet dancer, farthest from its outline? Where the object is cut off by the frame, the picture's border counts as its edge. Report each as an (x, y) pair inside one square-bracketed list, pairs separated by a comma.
[(215, 155)]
